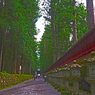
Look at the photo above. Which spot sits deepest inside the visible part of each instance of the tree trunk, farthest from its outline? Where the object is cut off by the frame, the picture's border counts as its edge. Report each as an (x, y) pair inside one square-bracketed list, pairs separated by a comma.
[(4, 58), (1, 34), (74, 26), (22, 64), (90, 14), (53, 32), (10, 62), (18, 66), (53, 40), (14, 60), (24, 67), (30, 69), (22, 71), (11, 56), (4, 52), (1, 54)]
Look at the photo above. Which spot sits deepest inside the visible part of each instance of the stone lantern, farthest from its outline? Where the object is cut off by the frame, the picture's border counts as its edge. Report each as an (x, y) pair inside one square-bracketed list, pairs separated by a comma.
[(75, 77), (60, 78), (50, 76), (91, 68), (57, 77), (91, 73), (54, 77), (67, 72), (75, 71), (63, 72), (66, 75), (59, 72)]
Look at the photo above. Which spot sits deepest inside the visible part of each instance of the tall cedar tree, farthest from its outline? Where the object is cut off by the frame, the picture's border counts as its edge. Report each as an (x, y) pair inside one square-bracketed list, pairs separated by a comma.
[(61, 14), (17, 30)]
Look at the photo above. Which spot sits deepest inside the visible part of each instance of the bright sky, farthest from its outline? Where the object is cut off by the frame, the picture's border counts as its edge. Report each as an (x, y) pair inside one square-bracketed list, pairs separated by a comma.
[(40, 23)]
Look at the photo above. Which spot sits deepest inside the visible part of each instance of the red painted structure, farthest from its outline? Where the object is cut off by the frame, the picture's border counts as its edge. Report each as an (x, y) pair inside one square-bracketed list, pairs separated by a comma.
[(81, 49)]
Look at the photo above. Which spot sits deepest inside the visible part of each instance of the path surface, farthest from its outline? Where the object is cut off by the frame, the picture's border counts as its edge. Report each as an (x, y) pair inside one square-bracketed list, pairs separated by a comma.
[(31, 87)]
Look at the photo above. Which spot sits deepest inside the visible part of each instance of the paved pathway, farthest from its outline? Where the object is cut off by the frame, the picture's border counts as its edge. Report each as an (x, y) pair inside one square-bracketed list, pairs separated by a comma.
[(31, 87)]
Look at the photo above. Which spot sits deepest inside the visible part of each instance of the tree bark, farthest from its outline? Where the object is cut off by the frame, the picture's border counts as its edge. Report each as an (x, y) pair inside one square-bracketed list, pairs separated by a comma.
[(1, 55), (11, 56), (90, 14), (53, 32), (1, 34), (30, 69), (4, 52), (22, 66), (17, 67), (14, 60), (74, 26)]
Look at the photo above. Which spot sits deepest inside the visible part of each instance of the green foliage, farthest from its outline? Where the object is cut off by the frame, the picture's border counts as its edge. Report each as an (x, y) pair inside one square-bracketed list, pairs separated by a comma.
[(7, 80), (62, 17), (17, 17), (45, 50)]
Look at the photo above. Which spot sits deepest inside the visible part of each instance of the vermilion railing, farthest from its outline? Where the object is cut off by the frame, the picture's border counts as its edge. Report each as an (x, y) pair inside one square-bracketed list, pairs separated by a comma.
[(81, 49)]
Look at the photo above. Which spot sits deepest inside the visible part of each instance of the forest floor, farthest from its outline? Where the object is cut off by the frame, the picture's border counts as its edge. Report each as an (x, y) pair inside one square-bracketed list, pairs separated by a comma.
[(31, 87)]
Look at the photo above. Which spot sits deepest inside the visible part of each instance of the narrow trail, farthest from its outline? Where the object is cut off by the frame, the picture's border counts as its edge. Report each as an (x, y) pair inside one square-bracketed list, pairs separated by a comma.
[(31, 87)]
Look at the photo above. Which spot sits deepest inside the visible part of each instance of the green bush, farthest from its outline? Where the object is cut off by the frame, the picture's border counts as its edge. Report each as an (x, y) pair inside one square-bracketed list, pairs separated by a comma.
[(7, 80)]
